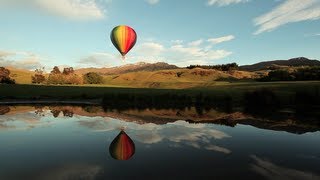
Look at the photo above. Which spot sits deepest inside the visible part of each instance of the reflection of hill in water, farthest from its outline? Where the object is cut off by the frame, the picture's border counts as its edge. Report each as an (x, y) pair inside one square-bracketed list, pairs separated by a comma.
[(287, 123), (4, 110)]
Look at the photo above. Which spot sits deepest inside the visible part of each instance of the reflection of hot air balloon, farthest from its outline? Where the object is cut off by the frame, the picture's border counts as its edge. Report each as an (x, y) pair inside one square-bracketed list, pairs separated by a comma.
[(122, 147), (123, 38)]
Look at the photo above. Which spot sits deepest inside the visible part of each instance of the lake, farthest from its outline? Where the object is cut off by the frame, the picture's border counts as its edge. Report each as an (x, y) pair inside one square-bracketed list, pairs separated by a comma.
[(73, 142)]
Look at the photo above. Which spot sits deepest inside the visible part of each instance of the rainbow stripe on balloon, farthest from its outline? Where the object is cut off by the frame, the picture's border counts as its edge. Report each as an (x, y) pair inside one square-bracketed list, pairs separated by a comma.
[(123, 38)]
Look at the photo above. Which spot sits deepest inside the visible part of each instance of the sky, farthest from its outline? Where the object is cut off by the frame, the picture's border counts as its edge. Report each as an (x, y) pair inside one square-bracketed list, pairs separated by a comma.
[(45, 33)]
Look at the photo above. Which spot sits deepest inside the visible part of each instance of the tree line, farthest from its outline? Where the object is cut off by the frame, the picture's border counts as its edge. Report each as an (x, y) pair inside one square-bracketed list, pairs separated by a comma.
[(301, 74), (220, 67), (67, 76)]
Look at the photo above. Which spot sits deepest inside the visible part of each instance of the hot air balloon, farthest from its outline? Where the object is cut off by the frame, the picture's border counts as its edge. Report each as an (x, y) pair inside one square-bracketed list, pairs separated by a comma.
[(122, 147), (123, 38)]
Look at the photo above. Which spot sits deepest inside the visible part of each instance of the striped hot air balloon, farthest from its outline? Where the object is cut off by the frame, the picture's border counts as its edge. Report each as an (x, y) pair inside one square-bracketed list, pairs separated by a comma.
[(122, 147), (123, 38)]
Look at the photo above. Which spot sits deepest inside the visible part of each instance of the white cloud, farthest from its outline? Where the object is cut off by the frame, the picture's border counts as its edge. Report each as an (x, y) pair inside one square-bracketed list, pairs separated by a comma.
[(196, 43), (185, 55), (152, 2), (176, 52), (178, 41), (225, 2), (199, 136), (147, 52), (98, 59), (21, 60), (72, 9), (72, 171), (221, 39), (289, 11), (150, 49), (5, 53), (218, 149)]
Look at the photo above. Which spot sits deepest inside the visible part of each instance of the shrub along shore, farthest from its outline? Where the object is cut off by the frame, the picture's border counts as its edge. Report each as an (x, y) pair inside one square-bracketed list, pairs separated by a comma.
[(252, 94)]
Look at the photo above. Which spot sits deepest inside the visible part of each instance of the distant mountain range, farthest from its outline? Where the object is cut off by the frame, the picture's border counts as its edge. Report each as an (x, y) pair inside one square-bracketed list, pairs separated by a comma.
[(141, 66), (151, 67), (294, 62), (265, 65)]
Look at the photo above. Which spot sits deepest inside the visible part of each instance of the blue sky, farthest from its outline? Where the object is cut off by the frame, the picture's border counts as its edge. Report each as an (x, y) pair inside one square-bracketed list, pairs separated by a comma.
[(37, 33)]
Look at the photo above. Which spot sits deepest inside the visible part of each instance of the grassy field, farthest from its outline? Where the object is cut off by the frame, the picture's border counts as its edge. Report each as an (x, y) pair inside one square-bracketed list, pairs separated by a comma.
[(21, 76), (88, 92)]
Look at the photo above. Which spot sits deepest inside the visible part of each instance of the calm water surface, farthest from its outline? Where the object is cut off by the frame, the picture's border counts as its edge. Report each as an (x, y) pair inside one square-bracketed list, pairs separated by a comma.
[(45, 144)]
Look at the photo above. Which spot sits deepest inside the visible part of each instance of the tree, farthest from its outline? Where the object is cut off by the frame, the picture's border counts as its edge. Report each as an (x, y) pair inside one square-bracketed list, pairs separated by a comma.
[(5, 76), (55, 70), (93, 78), (38, 77), (67, 71), (4, 73), (308, 73), (72, 79), (55, 79), (55, 76), (66, 77)]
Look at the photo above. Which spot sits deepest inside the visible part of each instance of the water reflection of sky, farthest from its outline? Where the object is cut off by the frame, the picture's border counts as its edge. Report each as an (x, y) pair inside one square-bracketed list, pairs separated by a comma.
[(179, 132), (43, 147)]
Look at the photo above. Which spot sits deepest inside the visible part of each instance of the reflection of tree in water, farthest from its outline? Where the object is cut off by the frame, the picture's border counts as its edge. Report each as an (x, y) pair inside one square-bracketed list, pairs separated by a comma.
[(4, 110), (66, 111), (92, 109), (159, 101), (39, 110), (55, 113)]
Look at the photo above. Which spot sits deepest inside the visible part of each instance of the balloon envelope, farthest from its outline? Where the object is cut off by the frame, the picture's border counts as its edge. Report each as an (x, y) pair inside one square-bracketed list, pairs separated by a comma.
[(122, 147), (123, 38)]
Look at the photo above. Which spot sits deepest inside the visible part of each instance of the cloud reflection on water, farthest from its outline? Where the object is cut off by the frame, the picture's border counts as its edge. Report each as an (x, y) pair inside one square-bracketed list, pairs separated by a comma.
[(272, 171), (180, 132)]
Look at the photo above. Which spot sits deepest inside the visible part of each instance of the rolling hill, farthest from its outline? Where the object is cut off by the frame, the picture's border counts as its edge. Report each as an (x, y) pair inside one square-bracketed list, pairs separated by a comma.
[(163, 75), (21, 76), (294, 62), (176, 78), (141, 66)]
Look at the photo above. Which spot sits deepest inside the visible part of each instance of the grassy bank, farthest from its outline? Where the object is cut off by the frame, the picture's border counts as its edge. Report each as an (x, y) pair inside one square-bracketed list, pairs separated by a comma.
[(285, 91), (90, 92), (261, 99)]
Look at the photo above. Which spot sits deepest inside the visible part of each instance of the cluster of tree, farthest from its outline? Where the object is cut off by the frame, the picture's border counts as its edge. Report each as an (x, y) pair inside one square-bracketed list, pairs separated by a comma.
[(92, 78), (5, 76), (301, 74), (38, 77), (67, 76), (220, 67)]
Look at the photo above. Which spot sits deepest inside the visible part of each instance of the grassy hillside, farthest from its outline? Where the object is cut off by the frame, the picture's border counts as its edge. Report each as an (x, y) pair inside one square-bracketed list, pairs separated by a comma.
[(176, 79), (21, 76), (162, 75)]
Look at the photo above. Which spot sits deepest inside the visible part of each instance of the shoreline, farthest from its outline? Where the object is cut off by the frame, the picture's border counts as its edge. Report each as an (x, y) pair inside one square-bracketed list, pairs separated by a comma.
[(53, 101)]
